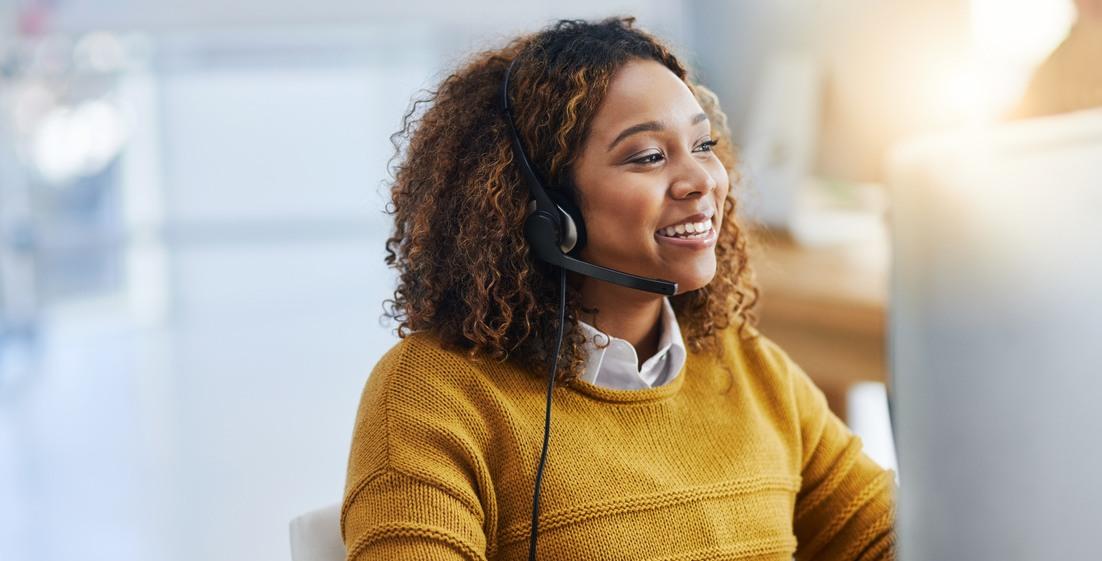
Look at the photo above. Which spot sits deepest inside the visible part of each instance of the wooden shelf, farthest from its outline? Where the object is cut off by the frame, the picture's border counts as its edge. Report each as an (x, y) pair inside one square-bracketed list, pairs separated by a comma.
[(826, 308)]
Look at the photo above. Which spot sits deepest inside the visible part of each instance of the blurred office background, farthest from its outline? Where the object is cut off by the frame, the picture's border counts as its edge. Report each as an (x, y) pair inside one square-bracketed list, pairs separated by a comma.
[(191, 225)]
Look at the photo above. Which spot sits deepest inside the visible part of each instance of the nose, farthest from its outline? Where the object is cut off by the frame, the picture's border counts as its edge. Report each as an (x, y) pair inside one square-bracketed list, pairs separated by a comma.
[(691, 176)]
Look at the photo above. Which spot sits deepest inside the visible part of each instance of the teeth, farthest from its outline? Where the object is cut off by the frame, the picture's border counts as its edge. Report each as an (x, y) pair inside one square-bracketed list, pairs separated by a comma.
[(688, 230)]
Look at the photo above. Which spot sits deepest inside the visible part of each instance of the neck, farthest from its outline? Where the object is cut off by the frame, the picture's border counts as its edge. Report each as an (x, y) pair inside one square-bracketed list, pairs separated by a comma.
[(629, 314)]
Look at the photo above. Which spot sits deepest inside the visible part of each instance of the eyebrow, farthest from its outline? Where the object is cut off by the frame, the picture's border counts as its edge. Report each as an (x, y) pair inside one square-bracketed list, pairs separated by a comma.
[(650, 126)]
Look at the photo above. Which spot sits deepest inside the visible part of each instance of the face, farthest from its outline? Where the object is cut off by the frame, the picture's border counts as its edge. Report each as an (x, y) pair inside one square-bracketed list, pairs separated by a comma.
[(645, 173)]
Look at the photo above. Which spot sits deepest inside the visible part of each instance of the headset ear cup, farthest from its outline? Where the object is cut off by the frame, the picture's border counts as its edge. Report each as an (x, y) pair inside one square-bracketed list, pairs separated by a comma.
[(572, 214)]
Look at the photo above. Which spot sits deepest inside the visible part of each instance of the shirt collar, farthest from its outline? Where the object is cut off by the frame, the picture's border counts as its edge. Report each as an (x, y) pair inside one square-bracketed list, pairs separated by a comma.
[(617, 365)]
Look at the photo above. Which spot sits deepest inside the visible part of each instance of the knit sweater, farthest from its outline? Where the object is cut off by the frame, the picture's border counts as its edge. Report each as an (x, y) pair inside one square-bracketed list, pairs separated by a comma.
[(737, 457)]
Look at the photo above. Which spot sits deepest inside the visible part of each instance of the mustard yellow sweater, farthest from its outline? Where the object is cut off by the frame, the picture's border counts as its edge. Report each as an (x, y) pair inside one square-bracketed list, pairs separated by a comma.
[(737, 457)]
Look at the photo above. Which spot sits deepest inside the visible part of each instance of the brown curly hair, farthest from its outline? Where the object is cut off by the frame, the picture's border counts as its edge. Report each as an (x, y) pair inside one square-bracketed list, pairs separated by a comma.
[(466, 274)]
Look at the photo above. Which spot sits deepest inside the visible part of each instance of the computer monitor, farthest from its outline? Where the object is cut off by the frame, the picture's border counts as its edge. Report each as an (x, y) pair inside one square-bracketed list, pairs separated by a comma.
[(995, 341)]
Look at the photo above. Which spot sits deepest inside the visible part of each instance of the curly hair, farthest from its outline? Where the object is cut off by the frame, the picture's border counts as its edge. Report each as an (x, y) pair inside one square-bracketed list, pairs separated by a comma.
[(466, 274)]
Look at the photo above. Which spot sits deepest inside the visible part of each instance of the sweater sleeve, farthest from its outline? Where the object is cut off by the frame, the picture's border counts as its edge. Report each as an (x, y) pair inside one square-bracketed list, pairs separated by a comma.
[(395, 515), (412, 490), (845, 508)]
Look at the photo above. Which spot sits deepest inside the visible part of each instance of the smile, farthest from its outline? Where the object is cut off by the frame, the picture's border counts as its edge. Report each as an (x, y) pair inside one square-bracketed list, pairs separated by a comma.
[(691, 240), (687, 230)]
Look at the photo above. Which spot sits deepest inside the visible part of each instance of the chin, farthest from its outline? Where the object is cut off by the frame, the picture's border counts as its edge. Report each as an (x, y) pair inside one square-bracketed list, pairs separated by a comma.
[(689, 283), (684, 288)]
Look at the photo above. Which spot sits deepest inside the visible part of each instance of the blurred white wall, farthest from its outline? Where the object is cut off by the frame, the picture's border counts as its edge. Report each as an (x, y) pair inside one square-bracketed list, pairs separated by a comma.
[(477, 20)]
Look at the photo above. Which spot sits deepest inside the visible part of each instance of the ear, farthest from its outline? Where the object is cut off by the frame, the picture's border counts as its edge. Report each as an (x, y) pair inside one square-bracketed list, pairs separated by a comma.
[(573, 214)]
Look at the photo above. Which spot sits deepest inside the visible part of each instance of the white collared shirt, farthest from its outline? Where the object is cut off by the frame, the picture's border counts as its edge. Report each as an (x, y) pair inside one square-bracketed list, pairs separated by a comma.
[(617, 365)]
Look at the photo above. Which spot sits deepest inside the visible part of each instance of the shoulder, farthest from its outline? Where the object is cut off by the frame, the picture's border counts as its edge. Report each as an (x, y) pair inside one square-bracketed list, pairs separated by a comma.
[(419, 395), (419, 365), (754, 350), (420, 421), (422, 378), (762, 364), (418, 350)]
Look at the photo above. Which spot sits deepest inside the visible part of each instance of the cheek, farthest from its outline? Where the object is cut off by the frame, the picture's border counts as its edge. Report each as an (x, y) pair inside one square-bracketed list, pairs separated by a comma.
[(620, 229), (721, 202), (723, 180), (722, 190), (623, 229), (622, 213)]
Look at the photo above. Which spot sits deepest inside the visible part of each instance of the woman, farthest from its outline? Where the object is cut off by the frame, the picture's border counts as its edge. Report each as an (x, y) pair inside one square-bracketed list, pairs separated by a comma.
[(717, 446)]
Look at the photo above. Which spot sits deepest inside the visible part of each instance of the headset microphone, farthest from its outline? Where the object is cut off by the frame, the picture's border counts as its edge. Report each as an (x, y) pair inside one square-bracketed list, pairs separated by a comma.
[(554, 229), (540, 231)]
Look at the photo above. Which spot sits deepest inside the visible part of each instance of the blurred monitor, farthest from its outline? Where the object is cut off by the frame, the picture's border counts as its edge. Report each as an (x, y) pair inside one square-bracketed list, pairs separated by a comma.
[(996, 341)]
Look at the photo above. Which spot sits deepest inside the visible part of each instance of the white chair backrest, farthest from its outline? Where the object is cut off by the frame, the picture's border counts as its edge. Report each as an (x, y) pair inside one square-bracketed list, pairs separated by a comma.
[(316, 535)]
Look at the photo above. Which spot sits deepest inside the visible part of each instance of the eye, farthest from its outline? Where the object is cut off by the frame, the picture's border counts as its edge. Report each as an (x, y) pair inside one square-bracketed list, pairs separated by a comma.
[(707, 145), (648, 159)]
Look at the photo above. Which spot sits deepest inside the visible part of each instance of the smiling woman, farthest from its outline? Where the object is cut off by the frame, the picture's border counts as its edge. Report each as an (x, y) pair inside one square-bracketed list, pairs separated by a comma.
[(684, 433)]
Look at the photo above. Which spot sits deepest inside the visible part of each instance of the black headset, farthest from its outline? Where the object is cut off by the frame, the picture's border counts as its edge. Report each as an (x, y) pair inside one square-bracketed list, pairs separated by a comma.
[(556, 233)]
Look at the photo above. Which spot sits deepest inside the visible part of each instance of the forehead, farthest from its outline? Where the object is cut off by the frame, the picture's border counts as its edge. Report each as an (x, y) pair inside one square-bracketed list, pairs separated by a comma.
[(644, 90)]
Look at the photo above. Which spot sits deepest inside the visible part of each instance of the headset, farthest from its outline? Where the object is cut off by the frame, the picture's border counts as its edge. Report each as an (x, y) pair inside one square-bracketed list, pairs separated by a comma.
[(555, 231)]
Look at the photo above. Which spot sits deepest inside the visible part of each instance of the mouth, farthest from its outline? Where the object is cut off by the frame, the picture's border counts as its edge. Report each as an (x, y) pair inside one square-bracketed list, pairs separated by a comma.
[(695, 227), (693, 240)]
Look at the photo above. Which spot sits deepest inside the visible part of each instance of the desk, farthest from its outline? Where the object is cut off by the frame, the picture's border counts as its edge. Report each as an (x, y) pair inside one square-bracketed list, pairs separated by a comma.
[(825, 307)]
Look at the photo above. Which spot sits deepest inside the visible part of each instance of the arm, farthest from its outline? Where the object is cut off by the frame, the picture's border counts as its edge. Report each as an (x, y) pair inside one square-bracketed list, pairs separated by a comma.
[(413, 474), (394, 515), (845, 506)]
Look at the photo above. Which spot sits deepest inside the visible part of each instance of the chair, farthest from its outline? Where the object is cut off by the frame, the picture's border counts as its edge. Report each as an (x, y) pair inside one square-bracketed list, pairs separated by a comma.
[(869, 417), (316, 535)]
